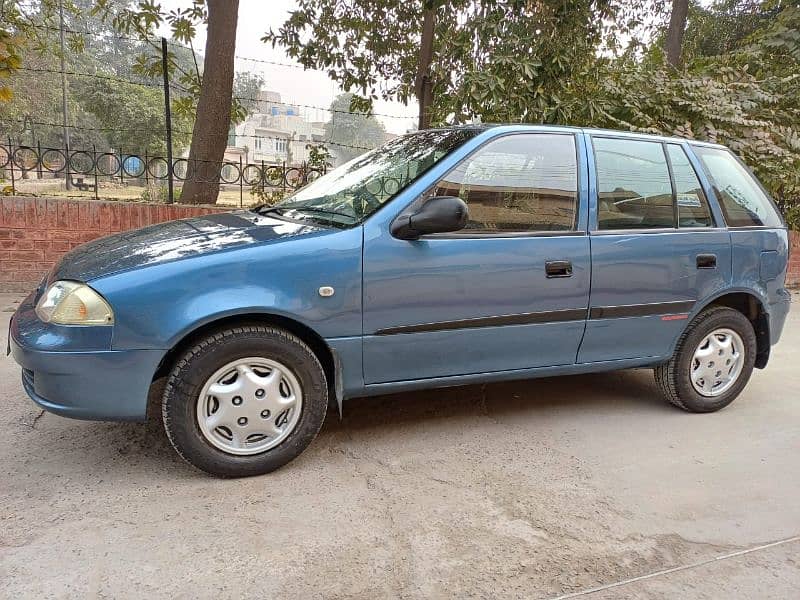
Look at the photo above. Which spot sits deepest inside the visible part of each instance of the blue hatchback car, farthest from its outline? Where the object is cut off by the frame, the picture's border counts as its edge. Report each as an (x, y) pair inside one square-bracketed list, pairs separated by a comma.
[(445, 257)]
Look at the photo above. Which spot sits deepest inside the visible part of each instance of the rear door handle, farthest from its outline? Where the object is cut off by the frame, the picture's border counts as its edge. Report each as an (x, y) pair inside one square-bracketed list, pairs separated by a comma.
[(558, 268), (706, 261)]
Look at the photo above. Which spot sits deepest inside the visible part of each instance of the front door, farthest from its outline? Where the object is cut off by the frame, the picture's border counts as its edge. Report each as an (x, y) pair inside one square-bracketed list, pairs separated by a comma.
[(508, 292), (655, 249)]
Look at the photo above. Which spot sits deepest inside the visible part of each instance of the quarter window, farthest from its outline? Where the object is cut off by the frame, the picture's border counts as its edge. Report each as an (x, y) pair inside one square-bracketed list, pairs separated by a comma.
[(517, 183), (634, 189), (743, 201), (693, 208)]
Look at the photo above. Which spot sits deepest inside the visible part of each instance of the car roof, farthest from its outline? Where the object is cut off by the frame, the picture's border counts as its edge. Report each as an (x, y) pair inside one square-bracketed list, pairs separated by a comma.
[(590, 130)]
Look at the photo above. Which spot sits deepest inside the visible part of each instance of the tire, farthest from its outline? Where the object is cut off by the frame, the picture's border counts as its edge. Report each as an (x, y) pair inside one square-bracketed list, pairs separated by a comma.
[(675, 377), (190, 423)]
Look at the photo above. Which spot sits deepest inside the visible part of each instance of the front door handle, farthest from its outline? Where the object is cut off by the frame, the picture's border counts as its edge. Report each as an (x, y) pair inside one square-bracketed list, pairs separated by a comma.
[(558, 268), (706, 261)]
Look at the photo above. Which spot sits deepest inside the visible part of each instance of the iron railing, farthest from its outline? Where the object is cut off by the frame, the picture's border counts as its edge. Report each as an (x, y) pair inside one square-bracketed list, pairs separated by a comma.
[(87, 169)]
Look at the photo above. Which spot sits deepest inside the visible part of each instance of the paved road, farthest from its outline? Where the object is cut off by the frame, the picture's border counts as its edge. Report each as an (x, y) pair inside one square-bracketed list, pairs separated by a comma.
[(526, 490)]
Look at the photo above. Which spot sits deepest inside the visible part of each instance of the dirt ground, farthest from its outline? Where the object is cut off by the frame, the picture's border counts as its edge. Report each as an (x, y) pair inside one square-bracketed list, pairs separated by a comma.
[(540, 489), (229, 195)]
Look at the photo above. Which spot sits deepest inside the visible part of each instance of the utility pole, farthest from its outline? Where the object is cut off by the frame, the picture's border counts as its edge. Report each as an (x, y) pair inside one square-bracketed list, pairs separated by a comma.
[(168, 116), (64, 96)]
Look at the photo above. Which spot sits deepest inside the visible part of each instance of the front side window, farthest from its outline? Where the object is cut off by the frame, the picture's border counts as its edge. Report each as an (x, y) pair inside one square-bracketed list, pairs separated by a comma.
[(634, 188), (693, 210), (352, 192), (743, 202), (518, 183)]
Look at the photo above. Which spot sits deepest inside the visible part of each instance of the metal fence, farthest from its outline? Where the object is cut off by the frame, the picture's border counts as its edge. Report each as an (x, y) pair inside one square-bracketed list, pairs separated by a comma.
[(91, 170)]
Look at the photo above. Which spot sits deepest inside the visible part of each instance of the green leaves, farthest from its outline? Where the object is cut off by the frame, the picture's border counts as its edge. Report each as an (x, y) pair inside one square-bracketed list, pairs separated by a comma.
[(556, 62), (498, 60), (12, 41), (351, 130)]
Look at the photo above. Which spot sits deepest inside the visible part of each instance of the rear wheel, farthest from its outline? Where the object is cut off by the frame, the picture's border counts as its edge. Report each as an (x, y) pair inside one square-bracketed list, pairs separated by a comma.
[(712, 363), (244, 401)]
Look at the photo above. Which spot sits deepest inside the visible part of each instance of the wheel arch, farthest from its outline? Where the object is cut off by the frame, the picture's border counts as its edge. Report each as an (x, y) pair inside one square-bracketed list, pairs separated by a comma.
[(751, 305), (318, 345)]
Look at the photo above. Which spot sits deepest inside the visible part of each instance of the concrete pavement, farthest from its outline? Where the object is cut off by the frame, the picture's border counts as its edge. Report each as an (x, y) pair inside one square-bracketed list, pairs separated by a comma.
[(534, 489)]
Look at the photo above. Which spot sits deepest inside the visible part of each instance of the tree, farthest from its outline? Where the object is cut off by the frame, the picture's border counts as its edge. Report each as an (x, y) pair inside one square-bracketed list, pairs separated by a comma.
[(677, 26), (246, 87), (351, 133), (502, 60), (210, 133), (423, 85), (131, 116), (745, 97), (210, 93), (10, 59), (723, 26), (318, 157)]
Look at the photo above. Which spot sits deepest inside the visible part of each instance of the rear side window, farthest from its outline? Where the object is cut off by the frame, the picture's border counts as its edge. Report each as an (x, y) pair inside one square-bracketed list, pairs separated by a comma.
[(634, 188), (517, 183), (692, 204), (744, 203)]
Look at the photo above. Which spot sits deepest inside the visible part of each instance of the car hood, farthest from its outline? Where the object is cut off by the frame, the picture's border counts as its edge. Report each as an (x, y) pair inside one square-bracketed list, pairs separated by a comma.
[(174, 240)]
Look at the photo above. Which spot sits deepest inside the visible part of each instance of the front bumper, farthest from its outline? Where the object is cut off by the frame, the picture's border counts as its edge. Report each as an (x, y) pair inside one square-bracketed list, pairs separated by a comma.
[(106, 385)]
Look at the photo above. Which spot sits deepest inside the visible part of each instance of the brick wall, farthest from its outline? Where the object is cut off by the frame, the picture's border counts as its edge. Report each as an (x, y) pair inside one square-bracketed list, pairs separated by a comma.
[(793, 274), (35, 232)]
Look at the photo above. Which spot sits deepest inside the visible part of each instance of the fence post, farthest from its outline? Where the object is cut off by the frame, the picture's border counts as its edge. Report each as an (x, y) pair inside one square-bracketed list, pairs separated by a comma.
[(284, 179), (39, 161), (168, 117), (11, 164), (67, 174), (263, 179), (241, 183), (121, 167), (94, 162), (146, 169)]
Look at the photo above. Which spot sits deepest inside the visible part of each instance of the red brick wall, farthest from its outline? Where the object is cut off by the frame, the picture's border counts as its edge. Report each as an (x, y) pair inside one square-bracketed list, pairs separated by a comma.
[(35, 232), (793, 275)]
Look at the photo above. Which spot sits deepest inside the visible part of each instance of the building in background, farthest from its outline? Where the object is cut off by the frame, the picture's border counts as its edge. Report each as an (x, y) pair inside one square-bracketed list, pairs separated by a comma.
[(275, 133)]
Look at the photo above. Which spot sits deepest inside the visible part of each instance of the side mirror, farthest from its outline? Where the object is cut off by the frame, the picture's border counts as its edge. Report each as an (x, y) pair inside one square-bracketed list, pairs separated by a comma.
[(439, 214)]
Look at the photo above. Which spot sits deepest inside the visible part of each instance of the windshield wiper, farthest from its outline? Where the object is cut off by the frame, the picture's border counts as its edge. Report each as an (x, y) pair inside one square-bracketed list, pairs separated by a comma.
[(324, 211), (265, 210)]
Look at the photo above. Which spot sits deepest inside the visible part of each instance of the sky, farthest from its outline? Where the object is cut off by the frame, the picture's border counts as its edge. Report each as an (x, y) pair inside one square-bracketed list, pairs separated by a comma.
[(296, 86)]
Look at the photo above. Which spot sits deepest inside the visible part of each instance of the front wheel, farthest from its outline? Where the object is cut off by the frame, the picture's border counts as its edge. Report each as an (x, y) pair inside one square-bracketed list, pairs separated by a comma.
[(713, 361), (244, 401)]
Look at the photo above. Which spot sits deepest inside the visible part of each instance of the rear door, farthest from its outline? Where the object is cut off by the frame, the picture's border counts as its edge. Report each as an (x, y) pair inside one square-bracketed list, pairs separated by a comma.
[(657, 247), (508, 292)]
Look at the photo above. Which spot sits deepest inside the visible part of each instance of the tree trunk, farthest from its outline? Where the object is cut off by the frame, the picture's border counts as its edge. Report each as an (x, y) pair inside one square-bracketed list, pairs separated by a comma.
[(210, 133), (677, 25), (424, 87)]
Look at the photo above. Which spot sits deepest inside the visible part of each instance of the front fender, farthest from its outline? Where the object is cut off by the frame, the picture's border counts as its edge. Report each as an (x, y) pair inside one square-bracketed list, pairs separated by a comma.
[(156, 306)]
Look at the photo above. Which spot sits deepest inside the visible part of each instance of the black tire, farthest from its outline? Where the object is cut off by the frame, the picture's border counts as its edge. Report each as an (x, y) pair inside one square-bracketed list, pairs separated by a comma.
[(673, 376), (198, 363)]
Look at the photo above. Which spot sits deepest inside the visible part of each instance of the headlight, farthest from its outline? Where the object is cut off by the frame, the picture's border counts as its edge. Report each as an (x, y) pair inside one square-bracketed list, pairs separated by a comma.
[(73, 303)]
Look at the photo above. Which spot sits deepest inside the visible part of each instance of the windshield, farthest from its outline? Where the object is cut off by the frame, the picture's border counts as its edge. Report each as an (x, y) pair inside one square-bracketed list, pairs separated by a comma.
[(352, 192)]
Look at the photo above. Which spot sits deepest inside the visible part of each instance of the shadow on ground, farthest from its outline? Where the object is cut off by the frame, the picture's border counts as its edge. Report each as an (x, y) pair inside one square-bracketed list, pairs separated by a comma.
[(144, 446)]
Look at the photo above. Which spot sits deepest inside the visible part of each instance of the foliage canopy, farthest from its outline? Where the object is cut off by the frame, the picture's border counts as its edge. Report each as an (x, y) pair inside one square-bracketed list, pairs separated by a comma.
[(563, 62)]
